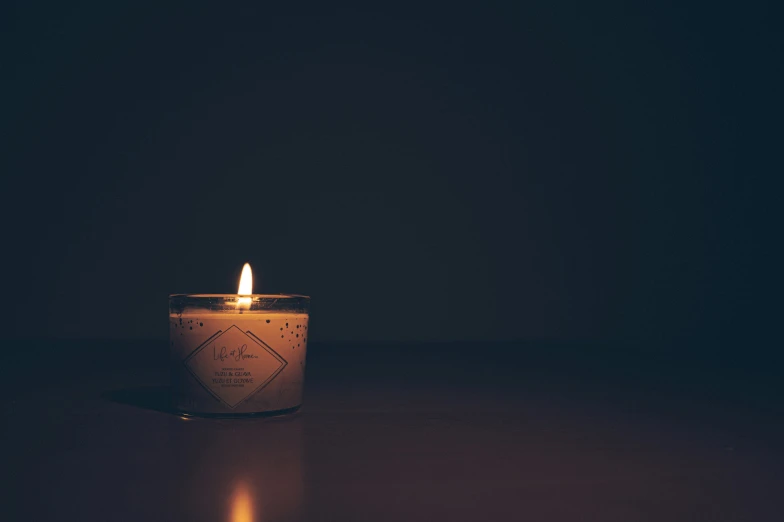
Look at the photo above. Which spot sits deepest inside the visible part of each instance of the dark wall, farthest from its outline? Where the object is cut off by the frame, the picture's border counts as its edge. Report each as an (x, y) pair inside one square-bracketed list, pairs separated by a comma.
[(548, 170)]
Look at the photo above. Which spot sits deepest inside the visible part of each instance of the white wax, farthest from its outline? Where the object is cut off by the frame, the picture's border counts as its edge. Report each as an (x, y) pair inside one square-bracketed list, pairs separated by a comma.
[(238, 362)]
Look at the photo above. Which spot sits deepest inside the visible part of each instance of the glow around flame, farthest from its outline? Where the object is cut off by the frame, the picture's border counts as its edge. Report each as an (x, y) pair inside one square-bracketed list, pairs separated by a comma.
[(246, 285)]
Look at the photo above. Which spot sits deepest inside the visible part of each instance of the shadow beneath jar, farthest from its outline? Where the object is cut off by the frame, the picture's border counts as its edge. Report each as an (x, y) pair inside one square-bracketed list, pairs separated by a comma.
[(156, 398), (160, 398)]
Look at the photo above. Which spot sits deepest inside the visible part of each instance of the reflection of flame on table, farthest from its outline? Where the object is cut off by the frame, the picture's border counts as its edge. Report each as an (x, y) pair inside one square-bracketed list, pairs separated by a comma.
[(241, 504), (240, 470)]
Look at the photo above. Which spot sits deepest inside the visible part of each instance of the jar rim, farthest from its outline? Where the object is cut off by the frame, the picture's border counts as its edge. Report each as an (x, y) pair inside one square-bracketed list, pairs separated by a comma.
[(236, 296), (253, 303)]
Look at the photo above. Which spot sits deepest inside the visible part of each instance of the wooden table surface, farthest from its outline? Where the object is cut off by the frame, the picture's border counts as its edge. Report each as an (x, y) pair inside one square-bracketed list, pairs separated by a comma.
[(413, 432)]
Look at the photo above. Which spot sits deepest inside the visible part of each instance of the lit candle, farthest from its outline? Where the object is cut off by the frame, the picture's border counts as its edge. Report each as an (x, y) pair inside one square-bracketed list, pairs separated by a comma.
[(238, 354)]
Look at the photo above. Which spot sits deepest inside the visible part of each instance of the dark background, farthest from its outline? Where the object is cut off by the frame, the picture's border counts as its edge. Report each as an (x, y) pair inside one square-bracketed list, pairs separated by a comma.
[(541, 170), (578, 201)]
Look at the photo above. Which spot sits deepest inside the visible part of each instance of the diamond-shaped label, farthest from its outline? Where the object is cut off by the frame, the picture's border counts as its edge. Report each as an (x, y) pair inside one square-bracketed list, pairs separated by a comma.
[(233, 365)]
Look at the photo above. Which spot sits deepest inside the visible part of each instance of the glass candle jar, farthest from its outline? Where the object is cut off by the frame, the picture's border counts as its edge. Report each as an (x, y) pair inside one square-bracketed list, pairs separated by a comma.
[(237, 355)]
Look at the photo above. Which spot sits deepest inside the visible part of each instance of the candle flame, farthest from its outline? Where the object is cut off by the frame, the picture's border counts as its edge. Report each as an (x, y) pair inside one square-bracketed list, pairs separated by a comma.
[(246, 281), (246, 285)]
